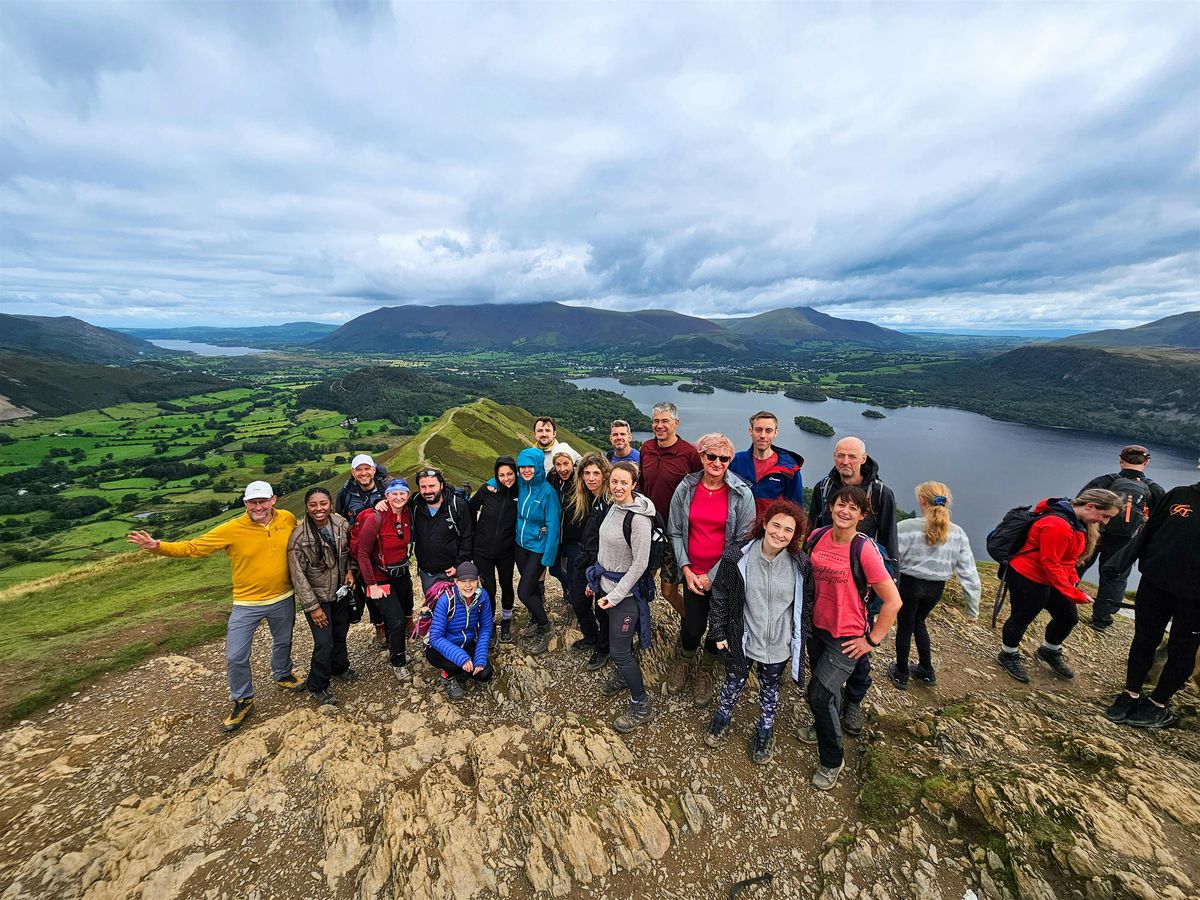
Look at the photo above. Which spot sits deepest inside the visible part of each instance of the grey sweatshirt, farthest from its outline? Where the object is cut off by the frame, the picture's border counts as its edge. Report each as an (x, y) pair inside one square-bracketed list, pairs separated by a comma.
[(918, 560), (770, 598), (618, 556)]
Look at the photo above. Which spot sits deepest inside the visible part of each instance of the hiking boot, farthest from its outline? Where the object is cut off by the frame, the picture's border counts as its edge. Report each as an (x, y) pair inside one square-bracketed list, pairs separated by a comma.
[(583, 644), (402, 673), (636, 714), (927, 676), (704, 685), (324, 698), (1121, 708), (614, 685), (1012, 665), (530, 629), (762, 745), (454, 686), (825, 778), (718, 731), (381, 638), (541, 641), (506, 631), (807, 734), (678, 673), (1100, 626), (290, 683), (853, 719), (348, 676), (899, 680), (241, 710), (597, 661), (1054, 661), (1151, 715)]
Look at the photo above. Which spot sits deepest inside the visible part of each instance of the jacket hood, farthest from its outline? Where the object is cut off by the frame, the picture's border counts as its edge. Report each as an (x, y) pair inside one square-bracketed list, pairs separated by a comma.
[(494, 481), (532, 456), (639, 504), (1062, 506), (870, 472)]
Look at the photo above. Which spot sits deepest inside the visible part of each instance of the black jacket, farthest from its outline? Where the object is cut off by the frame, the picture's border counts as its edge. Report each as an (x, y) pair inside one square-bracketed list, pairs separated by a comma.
[(572, 529), (880, 524), (589, 536), (494, 508), (352, 499), (443, 540), (1167, 547)]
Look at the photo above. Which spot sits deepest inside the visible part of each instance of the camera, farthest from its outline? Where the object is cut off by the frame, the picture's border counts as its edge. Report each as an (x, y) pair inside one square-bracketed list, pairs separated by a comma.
[(342, 593)]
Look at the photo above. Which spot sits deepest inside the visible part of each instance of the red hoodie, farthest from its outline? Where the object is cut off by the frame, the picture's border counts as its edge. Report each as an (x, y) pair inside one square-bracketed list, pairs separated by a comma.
[(383, 541), (1050, 552)]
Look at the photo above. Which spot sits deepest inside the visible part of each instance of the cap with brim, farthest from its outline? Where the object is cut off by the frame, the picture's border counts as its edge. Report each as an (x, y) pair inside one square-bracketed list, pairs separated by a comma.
[(258, 490), (362, 460), (1135, 453), (466, 570), (397, 484)]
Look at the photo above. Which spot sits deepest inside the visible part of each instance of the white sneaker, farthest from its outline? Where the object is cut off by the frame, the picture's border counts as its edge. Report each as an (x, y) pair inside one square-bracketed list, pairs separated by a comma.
[(402, 674)]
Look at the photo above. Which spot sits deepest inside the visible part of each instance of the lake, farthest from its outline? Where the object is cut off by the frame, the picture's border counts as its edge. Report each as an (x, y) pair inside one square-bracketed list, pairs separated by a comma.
[(990, 466), (201, 349)]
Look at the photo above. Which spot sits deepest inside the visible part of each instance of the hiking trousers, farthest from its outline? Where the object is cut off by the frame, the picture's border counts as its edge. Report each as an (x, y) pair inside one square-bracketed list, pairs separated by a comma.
[(622, 626), (1155, 608), (239, 637), (329, 655), (830, 670), (397, 608), (496, 574), (1028, 598), (438, 661), (530, 588), (918, 597), (695, 621), (1111, 592)]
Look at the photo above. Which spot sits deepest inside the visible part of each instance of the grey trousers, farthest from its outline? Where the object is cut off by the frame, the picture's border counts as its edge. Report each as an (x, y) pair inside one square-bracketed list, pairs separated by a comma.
[(239, 635)]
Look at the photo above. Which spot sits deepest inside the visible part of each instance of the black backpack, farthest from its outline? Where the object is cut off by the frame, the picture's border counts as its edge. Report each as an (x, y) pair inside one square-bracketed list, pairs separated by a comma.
[(1004, 542), (1135, 506), (658, 538)]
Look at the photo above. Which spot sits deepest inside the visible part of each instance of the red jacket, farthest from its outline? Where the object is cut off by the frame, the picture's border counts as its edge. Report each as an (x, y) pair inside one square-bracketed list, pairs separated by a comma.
[(1050, 552), (382, 541)]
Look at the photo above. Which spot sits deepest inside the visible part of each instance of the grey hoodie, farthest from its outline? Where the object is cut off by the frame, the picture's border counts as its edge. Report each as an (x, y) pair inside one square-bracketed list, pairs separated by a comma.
[(618, 556)]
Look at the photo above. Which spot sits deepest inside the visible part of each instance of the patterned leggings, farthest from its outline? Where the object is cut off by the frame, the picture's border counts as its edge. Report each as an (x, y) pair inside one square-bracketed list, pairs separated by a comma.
[(768, 681)]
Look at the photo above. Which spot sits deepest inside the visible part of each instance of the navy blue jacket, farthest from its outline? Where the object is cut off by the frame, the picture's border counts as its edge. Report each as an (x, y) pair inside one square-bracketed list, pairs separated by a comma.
[(783, 480)]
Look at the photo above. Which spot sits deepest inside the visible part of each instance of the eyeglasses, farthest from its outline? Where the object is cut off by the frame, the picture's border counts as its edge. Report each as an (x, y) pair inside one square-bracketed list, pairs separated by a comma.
[(713, 457)]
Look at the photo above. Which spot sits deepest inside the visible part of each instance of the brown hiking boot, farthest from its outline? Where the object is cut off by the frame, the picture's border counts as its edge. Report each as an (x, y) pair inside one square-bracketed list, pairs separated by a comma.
[(705, 683), (677, 676)]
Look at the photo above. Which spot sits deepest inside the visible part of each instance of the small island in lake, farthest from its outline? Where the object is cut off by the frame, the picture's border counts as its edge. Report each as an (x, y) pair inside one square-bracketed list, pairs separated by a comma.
[(695, 387), (873, 414), (807, 392), (814, 426)]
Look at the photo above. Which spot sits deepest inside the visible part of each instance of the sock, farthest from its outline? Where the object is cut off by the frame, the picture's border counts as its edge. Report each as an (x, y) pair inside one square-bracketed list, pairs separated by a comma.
[(1011, 651), (506, 615), (1053, 648)]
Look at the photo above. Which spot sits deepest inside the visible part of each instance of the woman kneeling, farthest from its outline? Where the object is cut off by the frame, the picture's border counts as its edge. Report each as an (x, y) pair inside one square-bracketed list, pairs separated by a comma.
[(461, 633)]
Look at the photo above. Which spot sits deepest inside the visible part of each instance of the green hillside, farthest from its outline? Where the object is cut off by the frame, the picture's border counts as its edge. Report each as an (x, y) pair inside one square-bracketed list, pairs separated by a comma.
[(1182, 330), (72, 338)]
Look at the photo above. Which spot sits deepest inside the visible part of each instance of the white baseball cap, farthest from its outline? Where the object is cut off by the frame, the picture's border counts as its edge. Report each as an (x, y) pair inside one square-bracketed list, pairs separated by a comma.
[(362, 460), (258, 490)]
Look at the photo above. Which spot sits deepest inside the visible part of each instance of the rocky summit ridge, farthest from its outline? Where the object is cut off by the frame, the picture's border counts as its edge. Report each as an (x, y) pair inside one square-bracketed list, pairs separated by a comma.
[(129, 790)]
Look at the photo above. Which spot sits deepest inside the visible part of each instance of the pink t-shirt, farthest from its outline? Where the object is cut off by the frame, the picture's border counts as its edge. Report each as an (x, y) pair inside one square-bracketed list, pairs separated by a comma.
[(839, 608), (706, 527)]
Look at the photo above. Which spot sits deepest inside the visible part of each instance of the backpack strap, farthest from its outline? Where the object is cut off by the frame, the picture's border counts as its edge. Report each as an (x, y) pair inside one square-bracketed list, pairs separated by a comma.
[(814, 536), (627, 528)]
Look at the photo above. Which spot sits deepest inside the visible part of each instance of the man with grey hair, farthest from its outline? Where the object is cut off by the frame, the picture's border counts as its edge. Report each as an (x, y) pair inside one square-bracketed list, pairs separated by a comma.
[(852, 465), (666, 459), (619, 437)]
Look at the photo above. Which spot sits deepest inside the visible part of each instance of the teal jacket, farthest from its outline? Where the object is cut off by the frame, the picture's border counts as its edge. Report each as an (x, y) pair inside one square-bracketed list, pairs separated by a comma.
[(539, 515)]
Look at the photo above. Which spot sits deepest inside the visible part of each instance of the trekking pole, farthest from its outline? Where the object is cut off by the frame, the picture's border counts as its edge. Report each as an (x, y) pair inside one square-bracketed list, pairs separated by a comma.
[(740, 886), (996, 607)]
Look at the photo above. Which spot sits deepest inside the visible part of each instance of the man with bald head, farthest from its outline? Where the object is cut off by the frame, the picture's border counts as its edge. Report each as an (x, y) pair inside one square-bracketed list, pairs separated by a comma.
[(852, 465)]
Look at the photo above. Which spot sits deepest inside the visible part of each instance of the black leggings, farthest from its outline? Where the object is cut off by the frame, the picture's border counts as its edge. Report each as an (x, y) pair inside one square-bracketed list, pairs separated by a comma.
[(397, 608), (1029, 598), (530, 588), (1155, 608), (622, 626), (695, 621), (593, 621), (919, 597), (492, 569)]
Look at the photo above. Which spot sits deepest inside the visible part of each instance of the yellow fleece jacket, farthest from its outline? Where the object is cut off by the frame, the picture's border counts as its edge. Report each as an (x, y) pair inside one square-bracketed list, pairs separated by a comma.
[(257, 553)]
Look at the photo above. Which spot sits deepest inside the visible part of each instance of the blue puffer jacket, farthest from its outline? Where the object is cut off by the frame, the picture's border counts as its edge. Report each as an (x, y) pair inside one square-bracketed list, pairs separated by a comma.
[(453, 629), (539, 514)]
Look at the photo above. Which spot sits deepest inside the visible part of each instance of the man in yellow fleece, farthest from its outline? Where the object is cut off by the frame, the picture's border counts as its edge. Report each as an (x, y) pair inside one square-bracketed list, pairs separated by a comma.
[(262, 589)]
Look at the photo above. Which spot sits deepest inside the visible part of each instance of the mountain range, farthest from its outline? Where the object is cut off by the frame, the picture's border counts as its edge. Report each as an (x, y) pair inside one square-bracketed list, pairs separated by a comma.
[(70, 337), (1182, 330), (541, 327)]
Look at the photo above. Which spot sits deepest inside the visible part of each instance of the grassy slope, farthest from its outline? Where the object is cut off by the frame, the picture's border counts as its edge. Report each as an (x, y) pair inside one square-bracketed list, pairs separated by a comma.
[(63, 630)]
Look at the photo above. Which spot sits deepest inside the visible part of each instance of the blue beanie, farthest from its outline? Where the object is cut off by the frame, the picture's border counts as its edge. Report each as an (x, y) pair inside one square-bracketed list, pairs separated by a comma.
[(397, 484)]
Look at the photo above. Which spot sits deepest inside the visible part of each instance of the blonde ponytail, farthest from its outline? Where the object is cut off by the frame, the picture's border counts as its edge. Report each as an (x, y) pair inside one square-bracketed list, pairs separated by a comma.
[(936, 497), (1101, 499)]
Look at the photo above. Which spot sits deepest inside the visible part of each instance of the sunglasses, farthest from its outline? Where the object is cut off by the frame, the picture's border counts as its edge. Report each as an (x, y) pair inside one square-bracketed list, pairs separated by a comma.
[(429, 473), (713, 457)]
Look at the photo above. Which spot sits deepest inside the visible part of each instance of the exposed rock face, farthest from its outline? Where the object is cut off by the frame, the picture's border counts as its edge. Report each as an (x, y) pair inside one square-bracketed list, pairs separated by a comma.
[(524, 790)]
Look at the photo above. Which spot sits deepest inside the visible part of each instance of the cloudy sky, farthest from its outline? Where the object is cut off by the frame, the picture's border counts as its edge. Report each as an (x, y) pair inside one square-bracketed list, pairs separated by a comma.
[(968, 166)]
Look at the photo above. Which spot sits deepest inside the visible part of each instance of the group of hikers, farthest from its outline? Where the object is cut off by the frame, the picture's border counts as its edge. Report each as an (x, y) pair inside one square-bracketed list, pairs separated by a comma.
[(757, 580)]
